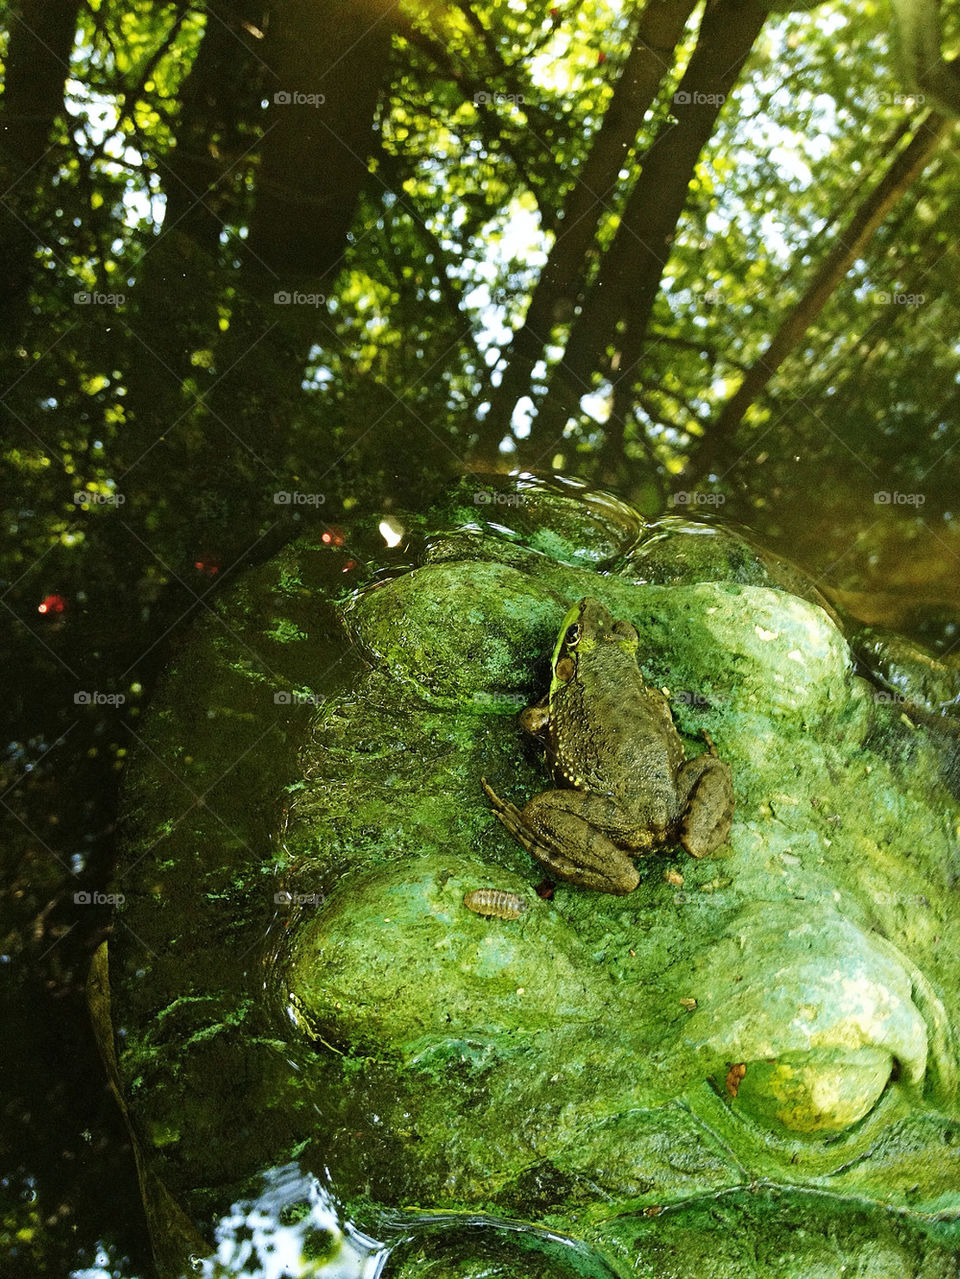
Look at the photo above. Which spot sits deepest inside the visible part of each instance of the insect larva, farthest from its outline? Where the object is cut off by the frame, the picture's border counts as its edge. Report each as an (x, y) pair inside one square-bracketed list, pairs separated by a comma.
[(494, 901)]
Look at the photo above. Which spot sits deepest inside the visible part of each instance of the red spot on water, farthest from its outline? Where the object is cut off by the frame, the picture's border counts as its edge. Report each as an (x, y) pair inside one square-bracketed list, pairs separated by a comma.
[(348, 566), (333, 536), (52, 604), (209, 565)]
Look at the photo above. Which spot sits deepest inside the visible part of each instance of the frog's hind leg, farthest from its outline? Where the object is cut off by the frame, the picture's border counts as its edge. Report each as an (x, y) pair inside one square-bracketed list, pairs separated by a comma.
[(560, 829), (706, 799)]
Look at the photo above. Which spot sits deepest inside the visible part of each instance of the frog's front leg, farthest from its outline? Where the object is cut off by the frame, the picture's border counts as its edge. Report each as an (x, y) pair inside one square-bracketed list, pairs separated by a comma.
[(562, 829), (705, 795)]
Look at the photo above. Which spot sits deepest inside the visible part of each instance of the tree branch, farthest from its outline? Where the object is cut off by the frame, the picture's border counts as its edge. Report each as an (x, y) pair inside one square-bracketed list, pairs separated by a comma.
[(903, 171), (651, 55), (630, 275)]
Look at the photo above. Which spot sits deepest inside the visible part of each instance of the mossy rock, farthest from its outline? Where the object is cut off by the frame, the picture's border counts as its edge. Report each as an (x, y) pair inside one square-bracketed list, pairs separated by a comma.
[(763, 1039)]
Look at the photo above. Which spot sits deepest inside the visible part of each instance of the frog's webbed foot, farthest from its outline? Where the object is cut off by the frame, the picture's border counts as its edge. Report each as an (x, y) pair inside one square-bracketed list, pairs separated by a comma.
[(508, 813), (566, 842), (512, 818), (707, 803)]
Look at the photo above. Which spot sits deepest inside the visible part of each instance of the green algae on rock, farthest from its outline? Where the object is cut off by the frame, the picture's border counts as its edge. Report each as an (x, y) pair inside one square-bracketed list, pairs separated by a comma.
[(318, 990)]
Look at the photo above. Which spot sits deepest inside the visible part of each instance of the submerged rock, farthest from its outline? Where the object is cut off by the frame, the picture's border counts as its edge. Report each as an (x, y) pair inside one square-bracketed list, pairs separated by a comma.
[(297, 976)]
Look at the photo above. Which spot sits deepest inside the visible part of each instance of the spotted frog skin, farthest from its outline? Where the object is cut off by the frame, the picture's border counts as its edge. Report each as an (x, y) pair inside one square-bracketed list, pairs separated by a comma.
[(624, 786)]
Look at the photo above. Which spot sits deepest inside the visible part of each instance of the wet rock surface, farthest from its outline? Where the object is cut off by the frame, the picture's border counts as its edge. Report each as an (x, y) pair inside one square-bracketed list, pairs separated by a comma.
[(296, 975)]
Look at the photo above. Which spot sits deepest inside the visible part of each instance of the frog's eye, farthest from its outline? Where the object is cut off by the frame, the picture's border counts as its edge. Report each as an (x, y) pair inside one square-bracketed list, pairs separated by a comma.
[(572, 637)]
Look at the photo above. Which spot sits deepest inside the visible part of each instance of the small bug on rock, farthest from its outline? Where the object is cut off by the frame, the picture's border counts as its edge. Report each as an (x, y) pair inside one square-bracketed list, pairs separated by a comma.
[(495, 902), (735, 1077)]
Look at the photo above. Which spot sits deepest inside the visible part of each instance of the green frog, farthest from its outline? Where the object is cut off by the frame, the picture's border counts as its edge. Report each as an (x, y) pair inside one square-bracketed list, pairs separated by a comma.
[(612, 745)]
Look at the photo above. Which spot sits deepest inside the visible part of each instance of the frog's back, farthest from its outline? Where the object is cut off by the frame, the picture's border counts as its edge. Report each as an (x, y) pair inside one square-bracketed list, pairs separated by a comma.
[(641, 737), (622, 743)]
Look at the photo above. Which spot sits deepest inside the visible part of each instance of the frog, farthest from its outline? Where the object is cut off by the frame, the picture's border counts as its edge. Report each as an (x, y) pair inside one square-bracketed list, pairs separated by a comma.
[(624, 785)]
